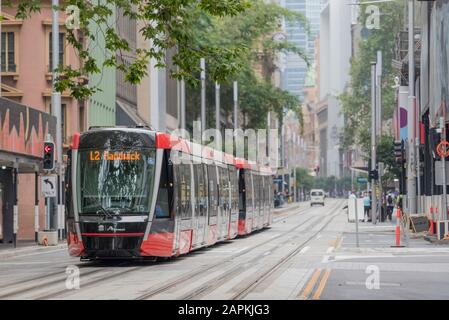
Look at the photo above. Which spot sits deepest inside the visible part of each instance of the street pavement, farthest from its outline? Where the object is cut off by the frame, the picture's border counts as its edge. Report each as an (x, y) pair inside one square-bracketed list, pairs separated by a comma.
[(308, 253)]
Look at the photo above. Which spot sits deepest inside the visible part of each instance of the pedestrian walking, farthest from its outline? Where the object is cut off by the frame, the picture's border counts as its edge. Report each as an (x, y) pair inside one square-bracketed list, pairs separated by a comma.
[(390, 206), (367, 207)]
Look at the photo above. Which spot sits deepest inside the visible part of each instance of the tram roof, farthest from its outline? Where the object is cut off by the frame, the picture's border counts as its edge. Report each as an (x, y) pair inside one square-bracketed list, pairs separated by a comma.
[(170, 141)]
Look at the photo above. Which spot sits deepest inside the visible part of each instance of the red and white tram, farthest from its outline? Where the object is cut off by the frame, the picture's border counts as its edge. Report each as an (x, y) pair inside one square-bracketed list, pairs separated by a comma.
[(133, 192)]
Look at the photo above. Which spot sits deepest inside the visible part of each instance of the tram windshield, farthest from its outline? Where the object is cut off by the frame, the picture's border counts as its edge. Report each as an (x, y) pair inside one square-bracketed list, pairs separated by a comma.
[(112, 181)]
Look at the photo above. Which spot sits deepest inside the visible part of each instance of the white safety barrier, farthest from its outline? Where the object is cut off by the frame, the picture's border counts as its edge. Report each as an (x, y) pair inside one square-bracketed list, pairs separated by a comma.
[(351, 210)]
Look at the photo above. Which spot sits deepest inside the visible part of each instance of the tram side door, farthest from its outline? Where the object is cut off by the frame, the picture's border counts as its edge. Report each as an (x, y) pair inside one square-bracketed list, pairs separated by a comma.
[(213, 202), (249, 201), (1, 212), (200, 204), (225, 200)]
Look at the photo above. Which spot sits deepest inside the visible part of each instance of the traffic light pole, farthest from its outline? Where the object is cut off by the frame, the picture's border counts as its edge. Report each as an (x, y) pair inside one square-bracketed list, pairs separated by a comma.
[(443, 213), (411, 163), (373, 142), (56, 111)]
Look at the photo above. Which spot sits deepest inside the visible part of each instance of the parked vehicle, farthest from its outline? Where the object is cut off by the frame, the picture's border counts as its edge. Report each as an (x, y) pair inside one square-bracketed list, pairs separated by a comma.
[(317, 196)]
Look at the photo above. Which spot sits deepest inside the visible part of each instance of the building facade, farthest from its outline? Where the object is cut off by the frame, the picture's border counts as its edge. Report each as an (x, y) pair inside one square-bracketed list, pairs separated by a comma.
[(102, 104), (335, 54), (296, 68), (26, 82)]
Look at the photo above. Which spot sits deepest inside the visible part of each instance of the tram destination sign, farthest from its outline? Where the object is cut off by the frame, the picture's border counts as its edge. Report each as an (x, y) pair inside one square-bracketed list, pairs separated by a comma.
[(115, 155)]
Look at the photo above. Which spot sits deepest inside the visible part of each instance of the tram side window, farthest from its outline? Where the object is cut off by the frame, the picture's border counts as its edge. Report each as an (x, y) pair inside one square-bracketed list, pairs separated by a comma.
[(68, 182), (256, 192), (265, 192), (200, 189), (162, 209), (213, 192), (184, 190), (249, 191), (234, 187), (242, 199), (224, 187)]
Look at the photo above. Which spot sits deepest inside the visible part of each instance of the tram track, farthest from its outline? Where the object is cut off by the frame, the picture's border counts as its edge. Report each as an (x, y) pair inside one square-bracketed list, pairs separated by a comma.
[(28, 286), (38, 287), (197, 273), (116, 274), (240, 268), (242, 293)]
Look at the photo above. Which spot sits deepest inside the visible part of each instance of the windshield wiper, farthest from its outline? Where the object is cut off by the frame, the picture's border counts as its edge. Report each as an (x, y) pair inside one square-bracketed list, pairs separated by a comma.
[(107, 214)]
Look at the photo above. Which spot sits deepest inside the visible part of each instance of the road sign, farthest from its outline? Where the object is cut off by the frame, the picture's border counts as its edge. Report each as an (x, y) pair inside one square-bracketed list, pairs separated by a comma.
[(443, 149), (362, 180), (439, 179), (48, 184)]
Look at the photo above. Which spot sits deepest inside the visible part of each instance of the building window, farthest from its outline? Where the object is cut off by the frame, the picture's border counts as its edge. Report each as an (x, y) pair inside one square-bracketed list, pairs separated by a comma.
[(64, 122), (61, 50), (81, 118), (8, 52)]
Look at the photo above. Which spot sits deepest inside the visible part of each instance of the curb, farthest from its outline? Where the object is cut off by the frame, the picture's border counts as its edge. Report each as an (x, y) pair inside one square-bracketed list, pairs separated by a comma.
[(283, 210), (434, 240), (18, 252)]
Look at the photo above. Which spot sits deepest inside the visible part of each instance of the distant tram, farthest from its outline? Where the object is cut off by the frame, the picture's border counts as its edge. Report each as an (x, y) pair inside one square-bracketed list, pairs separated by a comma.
[(127, 196)]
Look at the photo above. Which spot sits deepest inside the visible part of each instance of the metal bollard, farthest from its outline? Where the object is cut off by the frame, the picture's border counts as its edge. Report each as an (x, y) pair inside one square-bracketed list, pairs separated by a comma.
[(398, 227)]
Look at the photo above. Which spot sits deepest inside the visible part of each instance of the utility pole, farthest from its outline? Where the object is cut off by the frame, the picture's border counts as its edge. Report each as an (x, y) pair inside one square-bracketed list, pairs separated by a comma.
[(379, 94), (443, 213), (203, 96), (379, 123), (373, 142), (56, 111), (411, 168), (236, 121), (183, 104), (1, 66), (217, 107)]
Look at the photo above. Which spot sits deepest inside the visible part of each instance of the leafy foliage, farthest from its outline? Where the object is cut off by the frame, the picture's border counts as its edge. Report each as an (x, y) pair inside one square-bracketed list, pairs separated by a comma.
[(227, 33), (165, 23), (303, 179), (356, 102), (253, 32)]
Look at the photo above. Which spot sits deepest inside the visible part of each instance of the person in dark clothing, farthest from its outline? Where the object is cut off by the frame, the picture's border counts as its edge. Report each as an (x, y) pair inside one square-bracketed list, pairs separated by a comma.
[(390, 206)]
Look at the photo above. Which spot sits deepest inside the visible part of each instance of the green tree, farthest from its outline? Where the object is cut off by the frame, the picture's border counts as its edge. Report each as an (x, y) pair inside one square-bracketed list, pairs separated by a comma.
[(252, 30), (356, 101), (303, 179), (166, 23), (385, 154), (224, 32)]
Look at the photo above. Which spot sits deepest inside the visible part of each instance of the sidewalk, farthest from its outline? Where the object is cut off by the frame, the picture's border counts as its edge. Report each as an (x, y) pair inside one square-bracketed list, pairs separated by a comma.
[(382, 236), (25, 248), (290, 206)]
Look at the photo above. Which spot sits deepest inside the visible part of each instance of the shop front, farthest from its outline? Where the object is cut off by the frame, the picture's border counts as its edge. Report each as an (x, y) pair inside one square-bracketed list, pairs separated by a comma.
[(23, 131)]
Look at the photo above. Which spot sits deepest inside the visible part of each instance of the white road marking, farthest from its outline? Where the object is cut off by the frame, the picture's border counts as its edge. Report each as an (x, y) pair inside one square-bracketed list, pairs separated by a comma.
[(244, 248), (228, 250), (382, 284), (267, 253), (330, 249), (304, 250)]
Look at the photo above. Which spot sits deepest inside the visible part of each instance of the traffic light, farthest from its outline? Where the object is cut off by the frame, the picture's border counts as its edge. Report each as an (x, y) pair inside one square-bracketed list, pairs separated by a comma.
[(399, 152), (374, 175), (49, 155)]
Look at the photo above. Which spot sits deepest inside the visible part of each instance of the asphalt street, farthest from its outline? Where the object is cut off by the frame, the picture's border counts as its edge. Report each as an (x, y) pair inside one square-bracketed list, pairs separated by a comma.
[(307, 253)]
